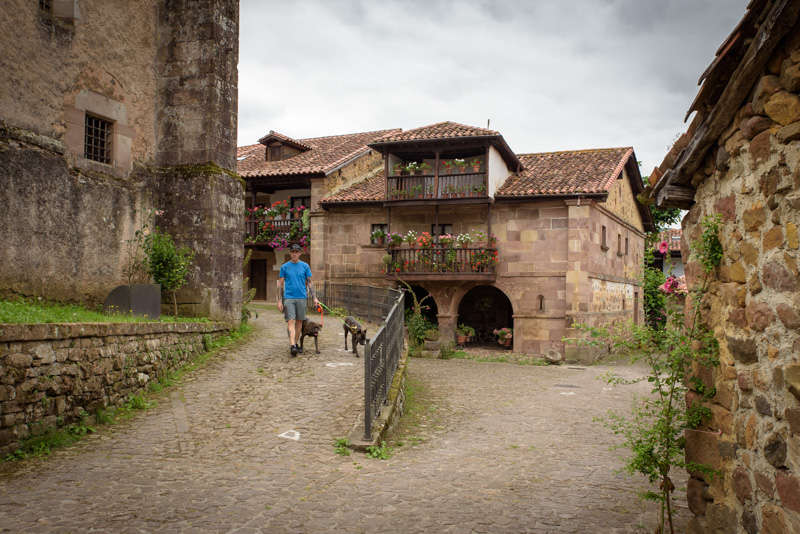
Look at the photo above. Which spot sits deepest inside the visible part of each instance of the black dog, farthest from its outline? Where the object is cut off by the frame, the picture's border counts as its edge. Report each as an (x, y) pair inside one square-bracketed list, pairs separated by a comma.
[(311, 329), (353, 328)]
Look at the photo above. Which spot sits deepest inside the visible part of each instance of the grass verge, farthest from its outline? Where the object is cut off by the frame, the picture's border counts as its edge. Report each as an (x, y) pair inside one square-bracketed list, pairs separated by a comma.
[(28, 311)]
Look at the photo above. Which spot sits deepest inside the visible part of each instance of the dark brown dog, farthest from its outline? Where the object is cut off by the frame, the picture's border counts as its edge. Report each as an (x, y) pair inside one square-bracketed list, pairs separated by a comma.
[(311, 329), (359, 335)]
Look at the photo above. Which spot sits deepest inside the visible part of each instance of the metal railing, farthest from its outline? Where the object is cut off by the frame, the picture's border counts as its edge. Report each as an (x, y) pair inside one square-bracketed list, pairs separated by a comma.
[(366, 302), (381, 358)]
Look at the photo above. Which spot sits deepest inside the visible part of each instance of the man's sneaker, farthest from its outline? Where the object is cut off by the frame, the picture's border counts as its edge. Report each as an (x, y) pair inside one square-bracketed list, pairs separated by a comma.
[(293, 350), (299, 349)]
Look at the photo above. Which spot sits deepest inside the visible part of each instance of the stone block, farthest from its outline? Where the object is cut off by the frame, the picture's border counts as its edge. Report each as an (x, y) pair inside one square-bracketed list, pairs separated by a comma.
[(754, 126), (759, 316), (742, 487), (765, 88), (744, 350), (776, 276), (773, 238), (789, 133), (783, 107), (694, 496), (760, 146), (788, 488), (792, 240)]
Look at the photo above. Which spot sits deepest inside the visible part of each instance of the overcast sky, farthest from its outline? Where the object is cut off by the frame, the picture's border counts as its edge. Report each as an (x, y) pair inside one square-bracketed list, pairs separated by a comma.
[(549, 74)]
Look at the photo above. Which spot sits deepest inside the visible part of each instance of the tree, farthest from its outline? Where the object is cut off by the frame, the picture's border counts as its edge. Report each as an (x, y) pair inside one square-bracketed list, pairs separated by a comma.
[(167, 264)]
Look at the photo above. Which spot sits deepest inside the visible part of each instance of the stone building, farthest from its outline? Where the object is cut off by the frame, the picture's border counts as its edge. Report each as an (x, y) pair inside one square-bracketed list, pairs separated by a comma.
[(569, 231), (108, 109), (740, 158)]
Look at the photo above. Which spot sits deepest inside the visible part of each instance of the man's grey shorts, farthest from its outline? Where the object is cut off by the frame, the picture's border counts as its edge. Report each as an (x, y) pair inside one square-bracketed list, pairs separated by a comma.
[(295, 309)]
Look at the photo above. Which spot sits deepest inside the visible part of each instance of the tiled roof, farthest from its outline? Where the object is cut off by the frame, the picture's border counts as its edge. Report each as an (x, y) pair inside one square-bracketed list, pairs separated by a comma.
[(326, 154), (284, 139), (673, 238), (566, 173), (369, 190), (442, 130)]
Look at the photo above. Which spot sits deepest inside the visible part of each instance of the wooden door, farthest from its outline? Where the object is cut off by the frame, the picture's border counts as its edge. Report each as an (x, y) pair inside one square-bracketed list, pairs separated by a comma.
[(258, 278)]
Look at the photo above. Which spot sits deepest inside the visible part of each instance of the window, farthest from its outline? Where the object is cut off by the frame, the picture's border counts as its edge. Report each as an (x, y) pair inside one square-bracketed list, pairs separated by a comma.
[(619, 244), (274, 153), (626, 246), (374, 228), (296, 202), (603, 239), (540, 299), (97, 139), (46, 6)]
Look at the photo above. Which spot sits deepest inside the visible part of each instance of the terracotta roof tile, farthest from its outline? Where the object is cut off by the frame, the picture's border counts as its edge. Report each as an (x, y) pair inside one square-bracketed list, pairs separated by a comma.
[(673, 238), (565, 173), (285, 139), (369, 190), (326, 155), (441, 130)]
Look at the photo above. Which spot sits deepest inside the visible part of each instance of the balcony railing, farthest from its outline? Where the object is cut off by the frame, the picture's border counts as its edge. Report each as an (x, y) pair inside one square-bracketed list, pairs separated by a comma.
[(431, 186), (264, 231), (440, 262)]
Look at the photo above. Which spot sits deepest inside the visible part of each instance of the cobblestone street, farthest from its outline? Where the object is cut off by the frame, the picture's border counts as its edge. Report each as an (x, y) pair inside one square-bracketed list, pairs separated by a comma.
[(246, 445)]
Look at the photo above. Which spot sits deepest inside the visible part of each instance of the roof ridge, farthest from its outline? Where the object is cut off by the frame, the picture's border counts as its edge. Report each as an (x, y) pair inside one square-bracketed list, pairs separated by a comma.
[(351, 134), (573, 151)]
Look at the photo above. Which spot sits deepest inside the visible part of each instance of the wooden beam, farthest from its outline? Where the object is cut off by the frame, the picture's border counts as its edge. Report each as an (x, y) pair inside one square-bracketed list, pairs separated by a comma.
[(675, 196)]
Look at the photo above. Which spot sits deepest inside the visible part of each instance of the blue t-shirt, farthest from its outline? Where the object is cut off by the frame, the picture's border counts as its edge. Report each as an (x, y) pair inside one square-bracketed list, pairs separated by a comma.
[(294, 275)]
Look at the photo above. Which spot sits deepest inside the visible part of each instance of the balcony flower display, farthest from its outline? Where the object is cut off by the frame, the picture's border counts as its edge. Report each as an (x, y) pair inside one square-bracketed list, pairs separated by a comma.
[(297, 211), (412, 167), (425, 240), (398, 169), (492, 240), (394, 239), (411, 237), (377, 236), (480, 235), (425, 168), (476, 165), (447, 240), (460, 163), (448, 165), (281, 207), (464, 240)]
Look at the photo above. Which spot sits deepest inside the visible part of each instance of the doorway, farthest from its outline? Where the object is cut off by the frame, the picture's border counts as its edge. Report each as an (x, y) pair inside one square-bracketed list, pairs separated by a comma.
[(258, 278), (486, 309)]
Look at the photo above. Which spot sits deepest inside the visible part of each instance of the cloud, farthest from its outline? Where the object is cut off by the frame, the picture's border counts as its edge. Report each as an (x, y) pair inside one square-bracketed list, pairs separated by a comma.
[(550, 75)]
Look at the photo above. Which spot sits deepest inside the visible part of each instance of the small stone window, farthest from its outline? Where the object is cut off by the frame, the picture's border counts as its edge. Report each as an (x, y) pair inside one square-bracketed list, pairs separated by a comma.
[(626, 246), (540, 302), (97, 139), (604, 239), (619, 245), (374, 228), (46, 6)]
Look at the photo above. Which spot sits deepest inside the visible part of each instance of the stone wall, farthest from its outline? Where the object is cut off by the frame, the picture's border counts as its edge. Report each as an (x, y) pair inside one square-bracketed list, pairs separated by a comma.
[(51, 373), (753, 307)]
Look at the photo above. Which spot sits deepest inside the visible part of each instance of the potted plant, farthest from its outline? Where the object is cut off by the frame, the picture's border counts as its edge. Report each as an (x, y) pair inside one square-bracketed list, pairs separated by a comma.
[(462, 333), (461, 164), (464, 240), (504, 336), (480, 237), (447, 240), (398, 169), (412, 167), (394, 239), (476, 165), (448, 166), (425, 240), (410, 238), (378, 236), (429, 191), (297, 211), (281, 207), (492, 240), (247, 214), (425, 168)]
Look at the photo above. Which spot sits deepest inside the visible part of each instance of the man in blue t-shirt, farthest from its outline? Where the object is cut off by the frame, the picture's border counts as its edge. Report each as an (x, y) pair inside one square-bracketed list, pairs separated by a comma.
[(295, 277)]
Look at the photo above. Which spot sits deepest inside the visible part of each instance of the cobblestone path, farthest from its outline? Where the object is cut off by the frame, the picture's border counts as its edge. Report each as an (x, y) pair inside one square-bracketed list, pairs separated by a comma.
[(508, 449)]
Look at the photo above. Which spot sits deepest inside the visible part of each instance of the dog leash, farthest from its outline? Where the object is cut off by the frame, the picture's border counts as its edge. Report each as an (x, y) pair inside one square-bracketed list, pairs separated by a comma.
[(319, 308)]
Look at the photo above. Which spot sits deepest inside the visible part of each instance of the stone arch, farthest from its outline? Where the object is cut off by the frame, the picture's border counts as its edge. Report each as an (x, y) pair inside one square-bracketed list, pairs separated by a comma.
[(433, 309), (484, 308)]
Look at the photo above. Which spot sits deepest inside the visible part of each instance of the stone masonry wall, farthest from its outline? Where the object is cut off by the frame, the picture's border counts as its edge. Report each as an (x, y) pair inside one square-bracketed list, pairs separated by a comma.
[(753, 307), (50, 373)]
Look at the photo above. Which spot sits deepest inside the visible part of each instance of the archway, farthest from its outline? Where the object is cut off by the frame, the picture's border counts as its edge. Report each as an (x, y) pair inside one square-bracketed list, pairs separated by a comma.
[(485, 308)]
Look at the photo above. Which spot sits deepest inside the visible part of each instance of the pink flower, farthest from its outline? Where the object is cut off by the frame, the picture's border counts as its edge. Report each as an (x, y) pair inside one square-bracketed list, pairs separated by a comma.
[(663, 247), (669, 286)]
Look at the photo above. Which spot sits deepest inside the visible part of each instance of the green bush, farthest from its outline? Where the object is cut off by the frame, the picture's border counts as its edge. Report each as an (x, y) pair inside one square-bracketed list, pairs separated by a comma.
[(167, 265)]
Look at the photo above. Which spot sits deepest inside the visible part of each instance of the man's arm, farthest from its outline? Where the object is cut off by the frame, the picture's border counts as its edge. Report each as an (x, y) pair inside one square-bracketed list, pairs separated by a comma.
[(311, 291), (280, 294)]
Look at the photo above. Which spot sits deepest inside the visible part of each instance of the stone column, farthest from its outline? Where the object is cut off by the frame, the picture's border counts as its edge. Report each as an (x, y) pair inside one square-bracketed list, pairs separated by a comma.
[(202, 198), (578, 290)]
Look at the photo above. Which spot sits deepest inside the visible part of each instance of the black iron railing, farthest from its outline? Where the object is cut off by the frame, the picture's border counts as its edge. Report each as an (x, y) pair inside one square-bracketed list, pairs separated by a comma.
[(366, 302), (381, 358)]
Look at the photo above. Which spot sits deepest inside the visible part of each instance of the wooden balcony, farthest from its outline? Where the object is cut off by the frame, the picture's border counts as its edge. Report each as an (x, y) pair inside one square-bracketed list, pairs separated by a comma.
[(440, 263), (415, 188), (264, 231)]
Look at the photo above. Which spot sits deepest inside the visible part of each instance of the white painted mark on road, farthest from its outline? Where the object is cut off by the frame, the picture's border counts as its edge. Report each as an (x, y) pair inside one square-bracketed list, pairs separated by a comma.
[(338, 364), (607, 389), (567, 393), (290, 434)]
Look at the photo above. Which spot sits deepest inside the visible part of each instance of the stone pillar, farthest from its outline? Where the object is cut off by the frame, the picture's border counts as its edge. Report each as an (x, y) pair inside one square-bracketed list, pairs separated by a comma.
[(578, 290), (203, 201)]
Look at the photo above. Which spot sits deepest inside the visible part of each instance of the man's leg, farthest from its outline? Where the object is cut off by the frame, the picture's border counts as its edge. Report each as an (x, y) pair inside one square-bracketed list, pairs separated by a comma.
[(298, 330), (291, 313)]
